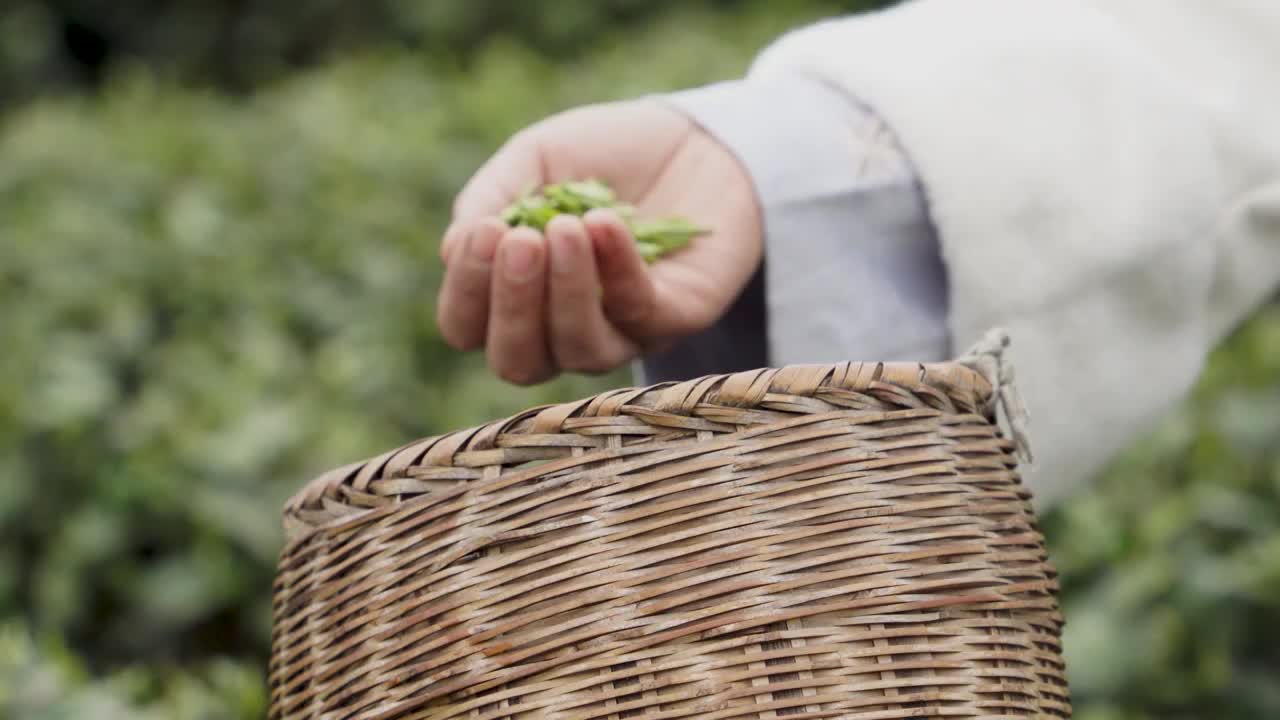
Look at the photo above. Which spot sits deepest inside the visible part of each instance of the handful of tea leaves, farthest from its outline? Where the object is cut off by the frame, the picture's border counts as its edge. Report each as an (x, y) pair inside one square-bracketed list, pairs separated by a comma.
[(654, 238)]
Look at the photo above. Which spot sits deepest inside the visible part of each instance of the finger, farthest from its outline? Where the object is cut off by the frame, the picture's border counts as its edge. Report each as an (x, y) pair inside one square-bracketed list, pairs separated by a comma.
[(581, 338), (454, 236), (513, 169), (462, 311), (517, 338), (630, 299)]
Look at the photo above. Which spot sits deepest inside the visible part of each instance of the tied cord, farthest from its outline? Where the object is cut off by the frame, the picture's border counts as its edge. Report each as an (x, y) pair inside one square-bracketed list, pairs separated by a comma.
[(987, 358)]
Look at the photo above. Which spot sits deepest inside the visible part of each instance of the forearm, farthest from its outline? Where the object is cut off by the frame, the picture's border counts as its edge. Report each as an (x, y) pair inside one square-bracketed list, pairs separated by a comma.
[(1097, 172)]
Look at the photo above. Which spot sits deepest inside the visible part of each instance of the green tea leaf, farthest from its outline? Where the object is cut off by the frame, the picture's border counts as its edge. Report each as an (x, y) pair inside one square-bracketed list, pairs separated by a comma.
[(654, 238)]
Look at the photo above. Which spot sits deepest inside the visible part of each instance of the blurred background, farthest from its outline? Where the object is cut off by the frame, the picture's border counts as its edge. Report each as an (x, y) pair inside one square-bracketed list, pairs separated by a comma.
[(218, 231)]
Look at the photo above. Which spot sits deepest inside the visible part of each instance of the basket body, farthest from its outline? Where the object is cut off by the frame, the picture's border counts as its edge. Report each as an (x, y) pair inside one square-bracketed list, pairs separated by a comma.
[(839, 541)]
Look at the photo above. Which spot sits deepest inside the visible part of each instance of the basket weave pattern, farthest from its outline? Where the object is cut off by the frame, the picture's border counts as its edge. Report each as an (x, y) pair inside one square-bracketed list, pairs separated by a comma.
[(837, 541)]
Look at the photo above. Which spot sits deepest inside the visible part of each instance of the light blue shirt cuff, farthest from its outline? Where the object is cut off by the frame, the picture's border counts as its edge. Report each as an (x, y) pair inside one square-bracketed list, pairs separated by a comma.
[(852, 267)]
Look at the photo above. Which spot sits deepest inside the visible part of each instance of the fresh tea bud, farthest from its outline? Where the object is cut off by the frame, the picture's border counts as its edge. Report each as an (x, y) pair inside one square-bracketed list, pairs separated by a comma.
[(654, 238)]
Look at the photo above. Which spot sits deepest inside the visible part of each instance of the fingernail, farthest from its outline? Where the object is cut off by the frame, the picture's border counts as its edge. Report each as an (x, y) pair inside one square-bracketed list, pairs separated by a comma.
[(520, 259), (482, 244)]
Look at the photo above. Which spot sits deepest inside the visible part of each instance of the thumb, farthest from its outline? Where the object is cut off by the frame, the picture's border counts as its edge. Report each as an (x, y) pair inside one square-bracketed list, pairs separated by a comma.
[(515, 168)]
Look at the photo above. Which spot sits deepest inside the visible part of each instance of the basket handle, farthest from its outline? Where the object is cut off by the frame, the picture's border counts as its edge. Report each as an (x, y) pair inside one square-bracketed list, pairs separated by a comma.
[(987, 357)]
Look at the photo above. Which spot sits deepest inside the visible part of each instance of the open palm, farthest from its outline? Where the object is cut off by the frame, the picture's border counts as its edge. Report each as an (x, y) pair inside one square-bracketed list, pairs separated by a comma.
[(579, 297)]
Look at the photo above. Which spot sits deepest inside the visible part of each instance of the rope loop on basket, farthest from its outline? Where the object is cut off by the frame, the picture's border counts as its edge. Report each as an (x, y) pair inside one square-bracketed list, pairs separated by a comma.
[(987, 357)]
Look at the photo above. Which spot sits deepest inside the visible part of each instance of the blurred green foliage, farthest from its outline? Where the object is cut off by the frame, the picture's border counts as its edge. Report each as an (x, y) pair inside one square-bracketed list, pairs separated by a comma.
[(1171, 563), (237, 44), (207, 298)]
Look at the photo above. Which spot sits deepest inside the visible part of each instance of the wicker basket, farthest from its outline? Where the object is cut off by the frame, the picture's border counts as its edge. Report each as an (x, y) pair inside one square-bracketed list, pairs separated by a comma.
[(838, 541)]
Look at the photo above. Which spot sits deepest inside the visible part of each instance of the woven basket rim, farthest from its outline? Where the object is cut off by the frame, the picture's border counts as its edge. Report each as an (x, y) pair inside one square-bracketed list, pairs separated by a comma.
[(950, 385)]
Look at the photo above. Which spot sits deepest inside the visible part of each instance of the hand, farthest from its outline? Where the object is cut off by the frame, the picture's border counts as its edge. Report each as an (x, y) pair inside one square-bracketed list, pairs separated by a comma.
[(580, 298)]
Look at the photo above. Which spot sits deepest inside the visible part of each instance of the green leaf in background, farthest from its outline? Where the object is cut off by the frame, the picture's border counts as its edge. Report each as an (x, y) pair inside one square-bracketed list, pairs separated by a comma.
[(210, 297)]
